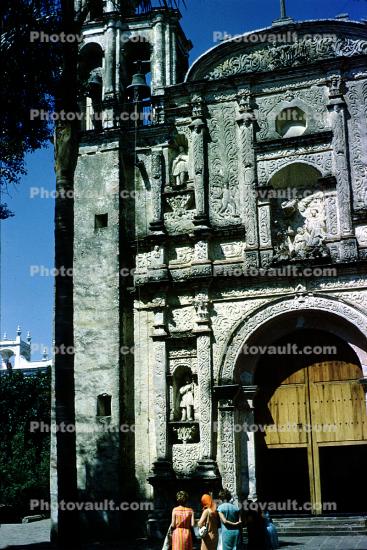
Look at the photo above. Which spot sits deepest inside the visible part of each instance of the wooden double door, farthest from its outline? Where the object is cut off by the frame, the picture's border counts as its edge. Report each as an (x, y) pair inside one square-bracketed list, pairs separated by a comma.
[(311, 445)]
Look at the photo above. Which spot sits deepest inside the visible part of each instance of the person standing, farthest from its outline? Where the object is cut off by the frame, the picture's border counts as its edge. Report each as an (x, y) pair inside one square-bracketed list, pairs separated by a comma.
[(210, 519), (229, 516), (182, 523)]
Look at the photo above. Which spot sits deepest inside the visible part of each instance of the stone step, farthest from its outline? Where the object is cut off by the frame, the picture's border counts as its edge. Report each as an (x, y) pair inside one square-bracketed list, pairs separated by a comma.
[(311, 526)]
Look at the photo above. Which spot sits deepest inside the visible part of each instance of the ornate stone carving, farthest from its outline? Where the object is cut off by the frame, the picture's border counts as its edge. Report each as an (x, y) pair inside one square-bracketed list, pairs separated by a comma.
[(301, 52), (205, 392), (247, 164), (356, 99), (338, 116), (181, 320), (270, 163), (361, 234), (227, 447), (182, 255), (223, 165), (185, 433), (157, 185), (185, 458), (180, 219), (302, 232), (312, 101)]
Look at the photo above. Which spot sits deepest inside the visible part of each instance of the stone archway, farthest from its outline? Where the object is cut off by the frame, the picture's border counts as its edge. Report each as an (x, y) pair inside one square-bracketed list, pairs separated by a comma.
[(238, 372)]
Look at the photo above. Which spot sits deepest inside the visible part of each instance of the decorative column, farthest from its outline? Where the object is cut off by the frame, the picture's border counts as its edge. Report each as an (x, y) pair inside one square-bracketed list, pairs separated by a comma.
[(109, 96), (159, 55), (198, 145), (157, 224), (207, 467), (247, 169), (341, 166), (162, 475), (227, 446), (249, 394), (265, 241)]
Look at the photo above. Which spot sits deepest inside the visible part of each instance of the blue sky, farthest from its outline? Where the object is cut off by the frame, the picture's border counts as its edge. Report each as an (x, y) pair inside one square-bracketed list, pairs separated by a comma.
[(27, 239)]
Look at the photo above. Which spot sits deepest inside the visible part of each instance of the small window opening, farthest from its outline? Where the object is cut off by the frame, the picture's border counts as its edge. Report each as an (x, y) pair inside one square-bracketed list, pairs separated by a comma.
[(100, 221), (104, 405)]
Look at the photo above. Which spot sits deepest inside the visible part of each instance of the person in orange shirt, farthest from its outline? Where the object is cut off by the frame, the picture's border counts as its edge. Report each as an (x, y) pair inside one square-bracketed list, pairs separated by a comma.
[(210, 519)]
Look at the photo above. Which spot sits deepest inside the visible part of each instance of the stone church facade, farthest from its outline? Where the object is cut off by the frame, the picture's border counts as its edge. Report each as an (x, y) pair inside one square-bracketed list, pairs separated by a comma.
[(232, 220)]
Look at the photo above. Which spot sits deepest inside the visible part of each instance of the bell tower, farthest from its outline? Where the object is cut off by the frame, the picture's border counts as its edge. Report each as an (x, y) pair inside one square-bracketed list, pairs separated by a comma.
[(119, 37), (128, 57)]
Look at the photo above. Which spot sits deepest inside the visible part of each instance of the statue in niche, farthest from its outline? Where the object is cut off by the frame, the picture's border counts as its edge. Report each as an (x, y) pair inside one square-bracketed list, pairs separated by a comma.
[(187, 400), (180, 167)]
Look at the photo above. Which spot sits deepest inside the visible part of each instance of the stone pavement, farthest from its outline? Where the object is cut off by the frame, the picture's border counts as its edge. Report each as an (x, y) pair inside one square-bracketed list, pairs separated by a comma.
[(35, 536)]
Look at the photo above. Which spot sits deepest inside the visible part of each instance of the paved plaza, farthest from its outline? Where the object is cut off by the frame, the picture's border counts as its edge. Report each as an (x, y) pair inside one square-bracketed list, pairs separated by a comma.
[(35, 536)]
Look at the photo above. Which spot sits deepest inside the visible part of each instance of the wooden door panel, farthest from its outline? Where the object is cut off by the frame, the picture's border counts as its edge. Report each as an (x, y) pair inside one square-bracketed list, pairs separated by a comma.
[(334, 370), (337, 402), (288, 410)]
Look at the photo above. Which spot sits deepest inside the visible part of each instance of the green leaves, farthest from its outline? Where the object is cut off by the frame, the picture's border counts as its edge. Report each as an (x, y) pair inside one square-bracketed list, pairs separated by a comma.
[(24, 453)]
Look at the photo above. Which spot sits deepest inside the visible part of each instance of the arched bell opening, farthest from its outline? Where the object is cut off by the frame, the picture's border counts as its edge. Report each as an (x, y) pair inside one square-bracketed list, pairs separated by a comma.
[(91, 85), (137, 79)]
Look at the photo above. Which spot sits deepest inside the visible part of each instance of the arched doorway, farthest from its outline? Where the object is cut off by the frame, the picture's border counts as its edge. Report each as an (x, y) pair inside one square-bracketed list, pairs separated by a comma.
[(310, 407), (309, 320)]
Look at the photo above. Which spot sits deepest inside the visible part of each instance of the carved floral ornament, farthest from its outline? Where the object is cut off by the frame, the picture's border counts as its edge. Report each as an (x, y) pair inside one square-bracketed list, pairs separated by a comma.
[(300, 301), (302, 52)]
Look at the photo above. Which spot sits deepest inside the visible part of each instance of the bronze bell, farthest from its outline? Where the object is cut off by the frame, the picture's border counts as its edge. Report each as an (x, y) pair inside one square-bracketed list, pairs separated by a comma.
[(138, 89), (95, 83)]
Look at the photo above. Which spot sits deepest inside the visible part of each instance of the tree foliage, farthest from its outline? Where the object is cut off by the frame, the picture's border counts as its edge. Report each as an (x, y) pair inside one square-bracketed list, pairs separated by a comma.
[(30, 73), (24, 453)]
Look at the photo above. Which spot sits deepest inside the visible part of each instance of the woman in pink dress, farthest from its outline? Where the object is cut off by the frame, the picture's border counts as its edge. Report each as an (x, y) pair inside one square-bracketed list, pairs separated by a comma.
[(182, 523)]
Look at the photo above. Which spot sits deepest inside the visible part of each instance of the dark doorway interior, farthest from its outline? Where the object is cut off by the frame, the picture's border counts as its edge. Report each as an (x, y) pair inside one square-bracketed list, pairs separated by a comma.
[(282, 476), (342, 479)]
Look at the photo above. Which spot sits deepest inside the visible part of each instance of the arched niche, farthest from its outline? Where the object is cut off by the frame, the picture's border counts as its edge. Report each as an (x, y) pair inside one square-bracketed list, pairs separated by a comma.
[(296, 175), (298, 213), (182, 378)]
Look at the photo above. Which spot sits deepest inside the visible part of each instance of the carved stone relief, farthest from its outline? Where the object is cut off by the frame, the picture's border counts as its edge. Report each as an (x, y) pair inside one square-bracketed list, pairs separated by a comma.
[(223, 165), (313, 101), (185, 458), (361, 234), (356, 99), (300, 230), (301, 52), (181, 320), (180, 218)]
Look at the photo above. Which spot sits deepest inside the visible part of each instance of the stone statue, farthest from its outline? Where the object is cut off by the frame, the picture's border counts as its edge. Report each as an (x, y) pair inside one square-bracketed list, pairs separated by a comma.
[(300, 242), (187, 400), (180, 167)]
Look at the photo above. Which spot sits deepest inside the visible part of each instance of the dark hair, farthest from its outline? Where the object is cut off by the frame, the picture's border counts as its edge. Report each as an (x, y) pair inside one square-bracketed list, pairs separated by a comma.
[(182, 497), (224, 494)]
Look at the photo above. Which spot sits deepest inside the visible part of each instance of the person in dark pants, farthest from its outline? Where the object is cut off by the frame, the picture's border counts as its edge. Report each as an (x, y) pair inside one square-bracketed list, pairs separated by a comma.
[(256, 528)]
